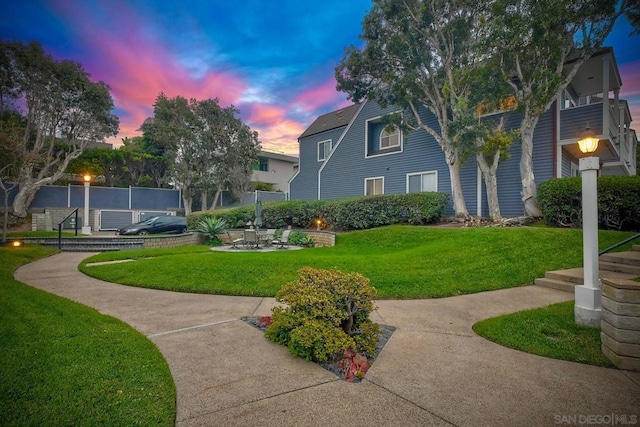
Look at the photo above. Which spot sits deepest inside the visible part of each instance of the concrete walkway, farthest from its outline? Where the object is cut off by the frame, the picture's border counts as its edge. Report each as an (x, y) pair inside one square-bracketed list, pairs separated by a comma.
[(433, 371)]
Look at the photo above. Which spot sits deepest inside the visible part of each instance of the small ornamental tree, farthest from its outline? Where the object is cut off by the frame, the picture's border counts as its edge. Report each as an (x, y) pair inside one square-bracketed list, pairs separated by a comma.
[(327, 313)]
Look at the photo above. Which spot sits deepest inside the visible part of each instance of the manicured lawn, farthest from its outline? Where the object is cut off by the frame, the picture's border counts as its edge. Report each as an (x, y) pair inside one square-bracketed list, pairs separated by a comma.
[(15, 234), (62, 363), (550, 331), (401, 261)]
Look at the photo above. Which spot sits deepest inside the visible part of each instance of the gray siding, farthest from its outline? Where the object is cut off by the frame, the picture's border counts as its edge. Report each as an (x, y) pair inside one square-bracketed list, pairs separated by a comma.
[(305, 185), (344, 173), (574, 120), (347, 168)]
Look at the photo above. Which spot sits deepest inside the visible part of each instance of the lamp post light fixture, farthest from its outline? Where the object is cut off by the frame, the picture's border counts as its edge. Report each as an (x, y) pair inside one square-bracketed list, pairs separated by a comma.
[(86, 229), (588, 304)]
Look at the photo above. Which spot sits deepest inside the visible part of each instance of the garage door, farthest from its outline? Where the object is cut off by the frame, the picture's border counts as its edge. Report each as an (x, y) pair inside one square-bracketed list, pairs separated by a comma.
[(112, 220)]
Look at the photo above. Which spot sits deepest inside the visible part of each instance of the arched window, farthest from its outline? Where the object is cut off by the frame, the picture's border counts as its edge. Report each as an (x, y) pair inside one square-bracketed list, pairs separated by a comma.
[(389, 139)]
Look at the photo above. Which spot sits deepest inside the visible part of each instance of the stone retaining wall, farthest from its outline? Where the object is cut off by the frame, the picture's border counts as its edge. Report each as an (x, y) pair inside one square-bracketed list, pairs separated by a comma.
[(620, 325), (321, 238), (173, 240)]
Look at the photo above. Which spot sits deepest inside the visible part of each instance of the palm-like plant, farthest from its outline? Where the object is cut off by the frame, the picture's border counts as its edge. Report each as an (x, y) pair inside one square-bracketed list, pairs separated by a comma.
[(211, 227)]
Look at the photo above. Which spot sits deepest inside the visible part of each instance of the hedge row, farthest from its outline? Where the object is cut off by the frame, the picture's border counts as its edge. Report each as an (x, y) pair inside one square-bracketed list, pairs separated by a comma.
[(618, 202), (343, 214)]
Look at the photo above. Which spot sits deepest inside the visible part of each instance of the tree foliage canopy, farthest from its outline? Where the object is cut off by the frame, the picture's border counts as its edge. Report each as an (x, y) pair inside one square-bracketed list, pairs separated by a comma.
[(62, 111), (210, 148)]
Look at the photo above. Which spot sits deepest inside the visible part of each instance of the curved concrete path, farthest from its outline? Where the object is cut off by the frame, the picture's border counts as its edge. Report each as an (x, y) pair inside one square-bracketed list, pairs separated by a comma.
[(433, 371)]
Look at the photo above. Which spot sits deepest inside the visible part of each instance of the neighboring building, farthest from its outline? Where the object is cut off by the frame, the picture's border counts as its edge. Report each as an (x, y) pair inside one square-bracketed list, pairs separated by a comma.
[(275, 168), (347, 153)]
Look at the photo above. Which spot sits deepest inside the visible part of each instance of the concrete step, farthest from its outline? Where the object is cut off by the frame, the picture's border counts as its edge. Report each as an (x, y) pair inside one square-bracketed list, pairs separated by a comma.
[(92, 244), (570, 275), (620, 267), (628, 258), (560, 285)]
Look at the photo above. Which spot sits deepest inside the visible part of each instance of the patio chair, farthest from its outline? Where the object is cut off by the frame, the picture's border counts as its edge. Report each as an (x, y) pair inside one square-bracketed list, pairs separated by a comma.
[(283, 240), (269, 236), (234, 241), (251, 238)]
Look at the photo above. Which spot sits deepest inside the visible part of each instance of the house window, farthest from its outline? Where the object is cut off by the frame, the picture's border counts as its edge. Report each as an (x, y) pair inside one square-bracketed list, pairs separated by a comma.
[(380, 141), (373, 186), (389, 139), (262, 164), (324, 149), (422, 181)]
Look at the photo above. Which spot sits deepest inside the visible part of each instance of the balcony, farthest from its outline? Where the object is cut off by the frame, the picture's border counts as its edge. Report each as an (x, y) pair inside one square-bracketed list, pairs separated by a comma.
[(593, 98)]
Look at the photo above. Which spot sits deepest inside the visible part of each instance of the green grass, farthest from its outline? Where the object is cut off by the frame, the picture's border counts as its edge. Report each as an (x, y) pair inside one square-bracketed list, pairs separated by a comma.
[(550, 331), (401, 261), (62, 363)]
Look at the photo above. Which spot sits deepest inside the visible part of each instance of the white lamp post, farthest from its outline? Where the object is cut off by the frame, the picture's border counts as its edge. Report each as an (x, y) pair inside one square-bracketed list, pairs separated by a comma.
[(588, 296), (86, 229)]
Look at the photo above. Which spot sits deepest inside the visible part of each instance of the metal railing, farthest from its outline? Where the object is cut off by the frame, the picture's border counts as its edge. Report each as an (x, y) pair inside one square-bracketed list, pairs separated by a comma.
[(75, 211), (617, 245)]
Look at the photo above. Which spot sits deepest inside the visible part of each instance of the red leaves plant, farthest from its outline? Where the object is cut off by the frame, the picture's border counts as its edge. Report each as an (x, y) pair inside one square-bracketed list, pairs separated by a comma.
[(353, 365)]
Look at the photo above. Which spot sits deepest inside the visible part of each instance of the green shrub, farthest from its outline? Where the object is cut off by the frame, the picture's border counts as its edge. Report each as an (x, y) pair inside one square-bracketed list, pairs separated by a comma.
[(618, 202), (327, 312), (356, 213), (300, 238), (211, 227)]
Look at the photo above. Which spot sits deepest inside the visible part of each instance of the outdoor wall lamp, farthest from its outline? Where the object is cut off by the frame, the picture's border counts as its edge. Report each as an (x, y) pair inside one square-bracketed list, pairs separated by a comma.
[(588, 305), (86, 229)]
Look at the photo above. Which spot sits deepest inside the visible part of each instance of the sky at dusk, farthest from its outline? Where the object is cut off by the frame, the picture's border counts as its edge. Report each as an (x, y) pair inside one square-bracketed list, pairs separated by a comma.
[(273, 60)]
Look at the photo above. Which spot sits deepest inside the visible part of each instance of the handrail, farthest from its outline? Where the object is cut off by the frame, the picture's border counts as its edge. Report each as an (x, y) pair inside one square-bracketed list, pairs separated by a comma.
[(617, 245), (75, 211)]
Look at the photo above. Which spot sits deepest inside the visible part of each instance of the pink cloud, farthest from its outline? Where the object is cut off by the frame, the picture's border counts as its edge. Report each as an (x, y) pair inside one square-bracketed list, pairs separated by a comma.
[(137, 69), (319, 96), (276, 131), (630, 75)]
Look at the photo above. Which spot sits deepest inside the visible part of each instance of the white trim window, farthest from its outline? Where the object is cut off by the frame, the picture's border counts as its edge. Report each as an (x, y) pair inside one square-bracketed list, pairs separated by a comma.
[(420, 182), (374, 186), (389, 139), (324, 149)]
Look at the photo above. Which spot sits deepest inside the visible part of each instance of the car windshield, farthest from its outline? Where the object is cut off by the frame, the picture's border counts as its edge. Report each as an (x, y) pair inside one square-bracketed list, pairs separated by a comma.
[(148, 221)]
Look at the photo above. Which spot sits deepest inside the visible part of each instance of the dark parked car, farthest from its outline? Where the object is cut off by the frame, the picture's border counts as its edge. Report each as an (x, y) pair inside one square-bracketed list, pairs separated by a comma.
[(155, 225)]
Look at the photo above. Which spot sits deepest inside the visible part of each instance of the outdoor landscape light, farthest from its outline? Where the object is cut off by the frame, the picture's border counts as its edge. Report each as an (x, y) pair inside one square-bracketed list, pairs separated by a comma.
[(318, 223), (16, 243), (86, 229), (588, 305), (588, 141)]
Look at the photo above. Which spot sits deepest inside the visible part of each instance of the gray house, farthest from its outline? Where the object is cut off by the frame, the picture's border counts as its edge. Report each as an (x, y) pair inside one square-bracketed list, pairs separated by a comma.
[(347, 152)]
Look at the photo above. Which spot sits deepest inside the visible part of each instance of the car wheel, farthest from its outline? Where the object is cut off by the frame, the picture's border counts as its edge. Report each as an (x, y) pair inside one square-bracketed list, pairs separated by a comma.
[(143, 233), (182, 230)]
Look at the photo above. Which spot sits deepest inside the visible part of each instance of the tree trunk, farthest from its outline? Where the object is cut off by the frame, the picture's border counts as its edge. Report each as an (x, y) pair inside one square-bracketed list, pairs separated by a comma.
[(187, 200), (5, 224), (23, 199), (491, 183), (203, 198), (459, 205), (529, 190), (215, 200)]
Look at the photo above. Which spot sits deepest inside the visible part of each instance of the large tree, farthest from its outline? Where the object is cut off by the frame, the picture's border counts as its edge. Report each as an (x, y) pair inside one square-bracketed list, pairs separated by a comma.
[(414, 56), (11, 130), (540, 46), (203, 139), (60, 105)]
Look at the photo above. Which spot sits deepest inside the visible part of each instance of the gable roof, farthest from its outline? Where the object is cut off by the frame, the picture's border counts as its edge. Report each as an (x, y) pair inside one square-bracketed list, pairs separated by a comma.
[(332, 120)]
